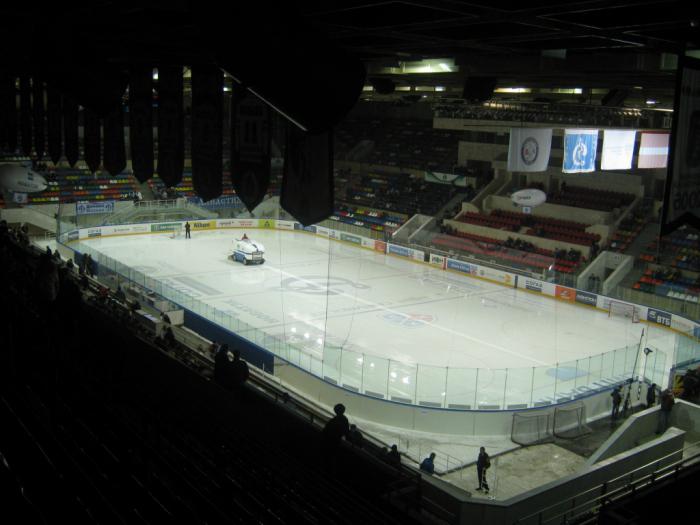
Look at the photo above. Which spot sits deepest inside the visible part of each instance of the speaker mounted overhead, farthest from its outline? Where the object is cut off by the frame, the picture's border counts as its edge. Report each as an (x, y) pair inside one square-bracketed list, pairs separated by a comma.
[(478, 89), (383, 86)]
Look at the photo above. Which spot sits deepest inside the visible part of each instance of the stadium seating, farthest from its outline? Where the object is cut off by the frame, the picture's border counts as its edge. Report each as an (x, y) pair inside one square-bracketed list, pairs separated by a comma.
[(71, 185), (580, 197), (395, 192), (524, 256), (672, 269), (367, 218), (669, 283), (547, 227), (186, 187), (627, 231), (404, 144)]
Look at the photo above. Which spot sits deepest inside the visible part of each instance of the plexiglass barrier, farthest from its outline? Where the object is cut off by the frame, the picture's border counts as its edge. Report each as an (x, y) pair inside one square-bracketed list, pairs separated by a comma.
[(444, 387), (430, 386)]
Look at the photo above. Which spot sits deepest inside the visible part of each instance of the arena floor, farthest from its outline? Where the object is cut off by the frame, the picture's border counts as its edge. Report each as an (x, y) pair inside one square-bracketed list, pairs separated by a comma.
[(315, 293)]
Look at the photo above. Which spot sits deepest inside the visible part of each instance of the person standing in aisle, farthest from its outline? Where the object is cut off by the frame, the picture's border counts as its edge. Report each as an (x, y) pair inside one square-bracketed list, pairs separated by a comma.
[(483, 463), (187, 230), (667, 403), (616, 400), (651, 395)]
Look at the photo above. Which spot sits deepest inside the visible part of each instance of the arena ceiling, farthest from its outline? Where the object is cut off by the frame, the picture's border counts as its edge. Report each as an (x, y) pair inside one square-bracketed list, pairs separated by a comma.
[(597, 45)]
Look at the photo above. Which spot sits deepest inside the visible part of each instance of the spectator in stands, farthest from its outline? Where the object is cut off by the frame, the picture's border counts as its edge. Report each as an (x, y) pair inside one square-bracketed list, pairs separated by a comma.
[(221, 365), (616, 400), (335, 430), (690, 384), (667, 403), (165, 318), (355, 436), (119, 294), (134, 307), (169, 336), (88, 265), (187, 230), (213, 348), (483, 463), (428, 464), (651, 395), (394, 457), (239, 371)]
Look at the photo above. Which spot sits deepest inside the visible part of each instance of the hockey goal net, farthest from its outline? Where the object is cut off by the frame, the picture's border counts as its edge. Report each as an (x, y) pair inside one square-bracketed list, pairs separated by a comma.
[(531, 428), (570, 421), (623, 310), (176, 232)]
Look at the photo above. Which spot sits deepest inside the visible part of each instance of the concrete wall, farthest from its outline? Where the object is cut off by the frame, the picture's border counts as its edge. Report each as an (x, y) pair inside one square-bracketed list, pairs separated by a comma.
[(30, 216), (623, 268), (501, 178), (467, 151), (636, 428), (686, 416)]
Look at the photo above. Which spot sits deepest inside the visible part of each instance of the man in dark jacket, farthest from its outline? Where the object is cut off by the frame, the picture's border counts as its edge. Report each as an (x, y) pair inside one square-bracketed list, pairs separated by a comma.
[(483, 462), (239, 370), (651, 395), (667, 403), (336, 429), (428, 464), (616, 400)]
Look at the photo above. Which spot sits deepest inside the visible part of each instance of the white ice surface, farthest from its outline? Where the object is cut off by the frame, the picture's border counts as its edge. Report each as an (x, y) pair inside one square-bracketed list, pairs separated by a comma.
[(318, 293)]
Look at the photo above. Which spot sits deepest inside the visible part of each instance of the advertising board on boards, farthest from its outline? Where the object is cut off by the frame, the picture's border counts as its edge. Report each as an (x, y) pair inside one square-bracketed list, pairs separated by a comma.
[(658, 317)]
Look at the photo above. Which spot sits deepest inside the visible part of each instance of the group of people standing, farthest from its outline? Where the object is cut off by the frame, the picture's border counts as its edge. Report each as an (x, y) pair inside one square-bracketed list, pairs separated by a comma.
[(667, 401)]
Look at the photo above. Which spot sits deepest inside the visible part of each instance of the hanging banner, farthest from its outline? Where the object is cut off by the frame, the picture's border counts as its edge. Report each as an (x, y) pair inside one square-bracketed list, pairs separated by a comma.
[(38, 114), (141, 121), (250, 147), (171, 125), (25, 114), (682, 193), (618, 149), (114, 154), (580, 150), (70, 130), (653, 150), (92, 140), (207, 128), (529, 149), (307, 183), (53, 122)]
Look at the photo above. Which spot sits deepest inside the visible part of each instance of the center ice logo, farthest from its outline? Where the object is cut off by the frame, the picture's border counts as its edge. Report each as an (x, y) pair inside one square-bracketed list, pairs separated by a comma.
[(321, 285), (408, 320)]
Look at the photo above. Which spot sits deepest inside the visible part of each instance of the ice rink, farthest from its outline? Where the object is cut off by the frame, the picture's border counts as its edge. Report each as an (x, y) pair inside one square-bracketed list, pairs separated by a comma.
[(322, 296)]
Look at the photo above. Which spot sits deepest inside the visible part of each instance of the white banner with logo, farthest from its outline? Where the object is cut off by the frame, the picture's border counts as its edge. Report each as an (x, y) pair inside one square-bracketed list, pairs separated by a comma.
[(529, 149), (618, 149)]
